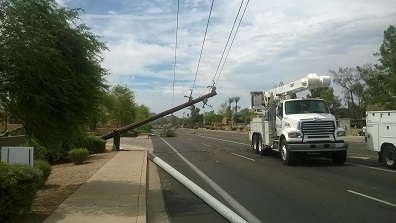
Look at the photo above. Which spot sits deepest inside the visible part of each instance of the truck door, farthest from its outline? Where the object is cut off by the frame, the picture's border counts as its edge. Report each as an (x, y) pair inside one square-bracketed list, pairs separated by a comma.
[(372, 130), (372, 136), (279, 119)]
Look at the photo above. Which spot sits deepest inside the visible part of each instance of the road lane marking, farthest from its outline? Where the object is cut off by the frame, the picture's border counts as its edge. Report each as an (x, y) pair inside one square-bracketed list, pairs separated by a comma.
[(222, 140), (372, 198), (205, 144), (243, 156), (235, 204), (370, 167), (189, 139)]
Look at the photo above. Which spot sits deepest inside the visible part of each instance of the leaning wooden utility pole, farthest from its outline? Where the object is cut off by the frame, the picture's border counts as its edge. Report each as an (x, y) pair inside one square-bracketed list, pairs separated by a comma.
[(117, 133)]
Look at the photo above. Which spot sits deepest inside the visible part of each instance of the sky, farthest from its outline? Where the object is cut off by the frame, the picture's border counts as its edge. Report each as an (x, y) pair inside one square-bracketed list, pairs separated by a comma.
[(281, 40)]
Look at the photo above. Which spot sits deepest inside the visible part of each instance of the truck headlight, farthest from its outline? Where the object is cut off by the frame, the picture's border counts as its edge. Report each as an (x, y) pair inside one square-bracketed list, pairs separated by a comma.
[(341, 133), (294, 134)]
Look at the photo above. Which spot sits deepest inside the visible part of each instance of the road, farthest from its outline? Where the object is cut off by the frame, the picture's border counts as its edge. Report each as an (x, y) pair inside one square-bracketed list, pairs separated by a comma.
[(262, 189)]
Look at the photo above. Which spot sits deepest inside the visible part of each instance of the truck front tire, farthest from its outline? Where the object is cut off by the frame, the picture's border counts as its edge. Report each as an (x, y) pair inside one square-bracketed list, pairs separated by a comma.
[(339, 157), (389, 156), (286, 156), (256, 143)]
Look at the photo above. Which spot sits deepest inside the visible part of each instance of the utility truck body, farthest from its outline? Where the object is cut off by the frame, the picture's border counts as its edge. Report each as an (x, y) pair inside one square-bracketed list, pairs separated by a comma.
[(381, 135), (294, 127)]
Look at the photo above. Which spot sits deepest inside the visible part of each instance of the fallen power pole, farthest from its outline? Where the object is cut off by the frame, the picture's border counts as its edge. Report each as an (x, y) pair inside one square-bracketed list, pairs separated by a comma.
[(116, 133)]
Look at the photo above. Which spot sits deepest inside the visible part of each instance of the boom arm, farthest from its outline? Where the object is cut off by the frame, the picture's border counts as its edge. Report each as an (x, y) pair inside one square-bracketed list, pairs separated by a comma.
[(311, 81)]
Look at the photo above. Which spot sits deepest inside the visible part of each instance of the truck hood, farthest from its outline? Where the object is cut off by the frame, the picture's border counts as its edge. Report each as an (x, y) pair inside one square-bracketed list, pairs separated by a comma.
[(311, 116)]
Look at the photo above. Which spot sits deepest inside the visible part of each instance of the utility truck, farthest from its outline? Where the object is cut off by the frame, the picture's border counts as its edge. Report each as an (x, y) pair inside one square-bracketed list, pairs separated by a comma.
[(381, 136), (294, 127)]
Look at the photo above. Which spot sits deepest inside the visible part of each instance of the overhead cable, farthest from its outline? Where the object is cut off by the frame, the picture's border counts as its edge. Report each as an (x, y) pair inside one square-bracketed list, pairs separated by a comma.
[(236, 31), (228, 40), (174, 66), (200, 55)]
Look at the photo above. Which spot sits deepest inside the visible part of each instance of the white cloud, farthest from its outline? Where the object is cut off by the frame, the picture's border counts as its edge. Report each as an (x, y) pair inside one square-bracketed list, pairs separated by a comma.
[(277, 41), (61, 2)]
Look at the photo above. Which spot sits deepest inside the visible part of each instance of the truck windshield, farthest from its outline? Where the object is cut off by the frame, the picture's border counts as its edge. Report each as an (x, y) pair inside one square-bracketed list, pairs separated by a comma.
[(305, 106)]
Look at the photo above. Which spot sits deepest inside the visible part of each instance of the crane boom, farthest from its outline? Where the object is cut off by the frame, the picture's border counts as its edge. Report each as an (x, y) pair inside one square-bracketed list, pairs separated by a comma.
[(311, 81), (285, 91)]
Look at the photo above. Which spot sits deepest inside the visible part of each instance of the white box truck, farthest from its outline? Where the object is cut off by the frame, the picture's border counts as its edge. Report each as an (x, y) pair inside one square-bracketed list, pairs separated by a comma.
[(381, 136)]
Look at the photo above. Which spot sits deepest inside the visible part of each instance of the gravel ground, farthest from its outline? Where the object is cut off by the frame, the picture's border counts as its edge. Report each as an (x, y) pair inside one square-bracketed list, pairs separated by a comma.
[(63, 181)]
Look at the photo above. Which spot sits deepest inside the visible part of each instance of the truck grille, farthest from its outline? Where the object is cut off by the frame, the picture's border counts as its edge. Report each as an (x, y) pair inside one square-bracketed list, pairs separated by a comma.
[(317, 128)]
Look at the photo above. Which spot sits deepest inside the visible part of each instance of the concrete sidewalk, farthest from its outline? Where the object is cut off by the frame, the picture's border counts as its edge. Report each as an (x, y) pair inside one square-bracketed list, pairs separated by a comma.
[(115, 193)]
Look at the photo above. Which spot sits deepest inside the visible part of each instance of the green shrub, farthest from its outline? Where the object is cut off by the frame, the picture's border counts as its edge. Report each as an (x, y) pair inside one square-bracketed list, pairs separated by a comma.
[(54, 155), (44, 167), (94, 144), (167, 132), (18, 186), (233, 128), (146, 128), (40, 152), (78, 155)]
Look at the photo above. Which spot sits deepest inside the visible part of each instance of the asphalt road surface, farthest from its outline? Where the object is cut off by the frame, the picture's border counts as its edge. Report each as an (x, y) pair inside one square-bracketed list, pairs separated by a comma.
[(262, 189)]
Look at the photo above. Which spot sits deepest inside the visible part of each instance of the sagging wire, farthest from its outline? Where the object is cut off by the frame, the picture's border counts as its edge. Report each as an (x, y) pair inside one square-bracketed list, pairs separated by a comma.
[(200, 55), (228, 40), (174, 66), (236, 31)]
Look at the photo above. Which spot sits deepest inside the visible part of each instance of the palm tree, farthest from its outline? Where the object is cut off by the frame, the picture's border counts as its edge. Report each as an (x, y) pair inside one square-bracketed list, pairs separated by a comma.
[(229, 111), (230, 100), (236, 100)]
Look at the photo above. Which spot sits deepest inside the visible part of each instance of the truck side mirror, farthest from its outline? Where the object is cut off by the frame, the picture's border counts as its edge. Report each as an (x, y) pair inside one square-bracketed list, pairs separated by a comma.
[(331, 111)]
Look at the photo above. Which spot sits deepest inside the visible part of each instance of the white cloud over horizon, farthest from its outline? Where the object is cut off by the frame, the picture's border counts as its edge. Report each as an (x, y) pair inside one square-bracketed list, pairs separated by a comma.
[(277, 41)]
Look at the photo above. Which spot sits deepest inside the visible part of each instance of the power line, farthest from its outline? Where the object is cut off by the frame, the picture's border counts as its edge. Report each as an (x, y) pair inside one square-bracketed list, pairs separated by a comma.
[(229, 49), (200, 55), (228, 40), (174, 66)]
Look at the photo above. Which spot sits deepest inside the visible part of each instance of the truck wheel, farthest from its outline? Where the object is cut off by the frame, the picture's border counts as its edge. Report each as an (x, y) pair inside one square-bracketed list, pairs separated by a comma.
[(389, 156), (339, 157), (286, 156), (256, 143)]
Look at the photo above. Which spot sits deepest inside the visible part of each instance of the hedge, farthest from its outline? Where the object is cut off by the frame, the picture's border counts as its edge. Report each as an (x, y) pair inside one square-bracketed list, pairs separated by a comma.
[(44, 167), (18, 186), (93, 144)]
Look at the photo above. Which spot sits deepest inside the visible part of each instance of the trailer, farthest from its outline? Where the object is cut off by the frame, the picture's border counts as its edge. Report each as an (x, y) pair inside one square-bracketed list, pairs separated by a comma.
[(381, 136)]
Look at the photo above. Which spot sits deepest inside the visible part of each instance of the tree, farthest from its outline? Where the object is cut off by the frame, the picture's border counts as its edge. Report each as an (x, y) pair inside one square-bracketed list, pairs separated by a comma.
[(50, 69), (195, 117), (381, 78), (246, 115), (229, 109), (353, 88), (100, 114), (223, 109), (236, 100), (377, 95), (142, 113), (124, 111), (212, 118), (387, 54), (327, 94)]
